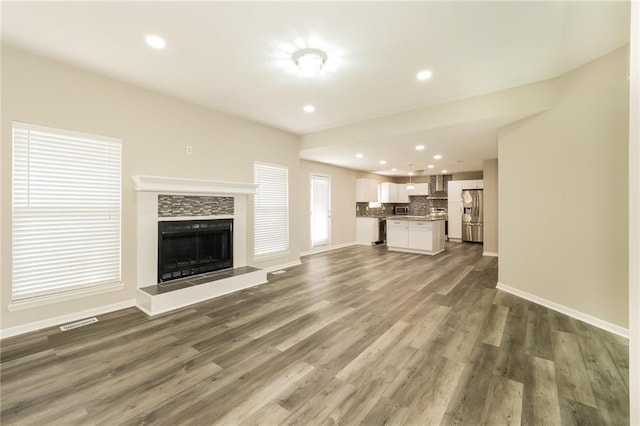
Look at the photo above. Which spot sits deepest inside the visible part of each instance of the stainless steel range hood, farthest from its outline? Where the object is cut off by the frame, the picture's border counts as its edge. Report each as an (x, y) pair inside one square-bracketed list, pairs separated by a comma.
[(440, 193)]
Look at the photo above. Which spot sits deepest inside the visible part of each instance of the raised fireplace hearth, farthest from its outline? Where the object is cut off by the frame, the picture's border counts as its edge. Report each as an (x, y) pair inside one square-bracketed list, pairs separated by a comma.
[(193, 247), (202, 228)]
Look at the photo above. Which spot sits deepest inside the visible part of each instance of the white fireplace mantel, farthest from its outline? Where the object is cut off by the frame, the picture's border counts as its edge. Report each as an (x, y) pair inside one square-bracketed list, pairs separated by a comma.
[(190, 186)]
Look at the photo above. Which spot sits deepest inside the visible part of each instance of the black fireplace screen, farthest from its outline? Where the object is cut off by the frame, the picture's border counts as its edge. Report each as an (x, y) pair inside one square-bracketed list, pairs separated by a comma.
[(194, 247)]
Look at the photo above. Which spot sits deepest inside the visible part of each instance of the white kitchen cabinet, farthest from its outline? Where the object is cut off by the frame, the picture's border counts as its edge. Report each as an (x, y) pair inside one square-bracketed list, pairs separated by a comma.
[(393, 193), (454, 190), (454, 214), (415, 236), (421, 189), (420, 235), (366, 190), (397, 233), (472, 184), (403, 196), (366, 230)]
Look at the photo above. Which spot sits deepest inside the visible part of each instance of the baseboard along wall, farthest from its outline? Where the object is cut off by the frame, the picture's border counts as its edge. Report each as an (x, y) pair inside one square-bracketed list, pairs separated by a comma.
[(51, 322), (589, 319)]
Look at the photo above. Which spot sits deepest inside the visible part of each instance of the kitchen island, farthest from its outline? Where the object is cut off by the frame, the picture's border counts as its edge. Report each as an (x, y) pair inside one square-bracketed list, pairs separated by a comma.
[(415, 234)]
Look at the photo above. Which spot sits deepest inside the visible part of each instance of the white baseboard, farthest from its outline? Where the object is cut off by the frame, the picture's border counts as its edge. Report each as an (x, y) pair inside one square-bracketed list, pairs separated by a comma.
[(282, 266), (328, 248), (589, 319), (489, 253), (50, 322)]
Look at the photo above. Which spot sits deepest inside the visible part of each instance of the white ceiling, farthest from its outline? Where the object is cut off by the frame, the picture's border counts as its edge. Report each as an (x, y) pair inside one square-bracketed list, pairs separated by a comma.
[(235, 57)]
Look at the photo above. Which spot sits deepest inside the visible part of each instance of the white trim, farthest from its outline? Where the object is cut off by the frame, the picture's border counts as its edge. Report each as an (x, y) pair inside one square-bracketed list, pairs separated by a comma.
[(489, 253), (282, 266), (328, 248), (184, 185), (589, 319), (51, 322), (414, 251), (61, 297)]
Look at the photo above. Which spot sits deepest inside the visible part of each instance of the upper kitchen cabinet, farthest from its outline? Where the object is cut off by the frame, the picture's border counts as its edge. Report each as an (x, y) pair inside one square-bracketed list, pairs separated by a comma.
[(403, 195), (366, 190), (393, 193), (472, 184), (420, 189), (454, 192), (388, 192)]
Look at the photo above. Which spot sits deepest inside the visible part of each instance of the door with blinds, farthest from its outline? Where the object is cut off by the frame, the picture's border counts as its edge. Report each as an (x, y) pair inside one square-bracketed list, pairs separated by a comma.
[(320, 210)]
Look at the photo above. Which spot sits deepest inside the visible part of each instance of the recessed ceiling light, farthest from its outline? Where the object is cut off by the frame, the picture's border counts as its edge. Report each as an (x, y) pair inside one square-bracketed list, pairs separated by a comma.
[(383, 162), (430, 166), (444, 171), (155, 41), (437, 157), (309, 61), (309, 108), (419, 147), (424, 75), (394, 169), (410, 173), (359, 155)]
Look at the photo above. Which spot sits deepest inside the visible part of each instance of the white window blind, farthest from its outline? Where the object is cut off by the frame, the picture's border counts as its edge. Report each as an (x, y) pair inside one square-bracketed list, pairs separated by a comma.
[(271, 209), (66, 211)]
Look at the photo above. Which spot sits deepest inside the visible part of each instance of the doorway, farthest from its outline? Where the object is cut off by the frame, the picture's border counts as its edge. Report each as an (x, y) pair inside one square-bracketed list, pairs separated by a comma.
[(320, 210)]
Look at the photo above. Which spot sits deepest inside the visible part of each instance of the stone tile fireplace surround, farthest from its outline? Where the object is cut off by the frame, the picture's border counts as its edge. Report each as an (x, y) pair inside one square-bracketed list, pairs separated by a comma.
[(166, 199)]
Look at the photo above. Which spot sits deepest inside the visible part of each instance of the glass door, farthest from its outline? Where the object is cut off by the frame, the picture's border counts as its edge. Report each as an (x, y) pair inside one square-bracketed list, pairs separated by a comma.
[(320, 210)]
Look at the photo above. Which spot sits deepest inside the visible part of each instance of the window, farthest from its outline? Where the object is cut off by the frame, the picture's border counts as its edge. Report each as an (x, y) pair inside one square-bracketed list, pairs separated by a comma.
[(270, 209), (66, 212)]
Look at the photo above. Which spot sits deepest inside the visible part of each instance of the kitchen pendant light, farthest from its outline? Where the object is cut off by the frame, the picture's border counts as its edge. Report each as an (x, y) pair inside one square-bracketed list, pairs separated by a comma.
[(410, 186)]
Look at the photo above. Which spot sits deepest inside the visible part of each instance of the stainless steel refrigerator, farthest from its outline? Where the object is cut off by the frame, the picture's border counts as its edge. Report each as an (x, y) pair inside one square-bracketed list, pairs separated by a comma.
[(472, 216)]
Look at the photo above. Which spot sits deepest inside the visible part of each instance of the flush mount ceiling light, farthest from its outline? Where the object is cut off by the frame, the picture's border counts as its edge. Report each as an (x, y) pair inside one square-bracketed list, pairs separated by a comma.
[(309, 108), (359, 155), (309, 61), (437, 157), (410, 186), (430, 166), (155, 41), (424, 75), (383, 162), (419, 147)]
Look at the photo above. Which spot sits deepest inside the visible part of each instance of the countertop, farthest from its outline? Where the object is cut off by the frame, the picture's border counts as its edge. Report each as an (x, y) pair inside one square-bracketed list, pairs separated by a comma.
[(409, 217)]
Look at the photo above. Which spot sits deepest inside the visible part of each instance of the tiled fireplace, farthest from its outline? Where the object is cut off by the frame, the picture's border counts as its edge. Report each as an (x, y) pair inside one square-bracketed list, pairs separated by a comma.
[(191, 241)]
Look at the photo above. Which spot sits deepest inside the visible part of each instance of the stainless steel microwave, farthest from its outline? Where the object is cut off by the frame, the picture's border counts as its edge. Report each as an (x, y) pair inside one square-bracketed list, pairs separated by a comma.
[(401, 210)]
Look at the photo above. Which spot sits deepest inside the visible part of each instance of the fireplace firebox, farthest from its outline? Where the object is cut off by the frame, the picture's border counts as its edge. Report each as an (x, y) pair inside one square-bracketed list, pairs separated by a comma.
[(193, 247)]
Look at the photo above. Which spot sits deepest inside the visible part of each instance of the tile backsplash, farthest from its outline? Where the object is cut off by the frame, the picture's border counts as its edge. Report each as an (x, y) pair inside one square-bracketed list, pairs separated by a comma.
[(363, 209), (418, 206)]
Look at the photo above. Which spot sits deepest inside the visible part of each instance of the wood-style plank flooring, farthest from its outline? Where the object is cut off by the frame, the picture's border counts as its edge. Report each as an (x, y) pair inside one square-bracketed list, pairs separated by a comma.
[(353, 336)]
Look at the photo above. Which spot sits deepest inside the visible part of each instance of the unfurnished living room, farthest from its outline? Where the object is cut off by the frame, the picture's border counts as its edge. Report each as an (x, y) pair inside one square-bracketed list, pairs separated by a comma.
[(237, 213)]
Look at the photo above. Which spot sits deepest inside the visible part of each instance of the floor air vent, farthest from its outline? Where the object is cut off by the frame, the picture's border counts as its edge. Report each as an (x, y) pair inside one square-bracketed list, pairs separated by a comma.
[(77, 324)]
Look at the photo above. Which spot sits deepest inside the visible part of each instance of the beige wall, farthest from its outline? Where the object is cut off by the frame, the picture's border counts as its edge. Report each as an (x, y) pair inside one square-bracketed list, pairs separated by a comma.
[(490, 185), (467, 175), (343, 203), (634, 217), (155, 130), (563, 194)]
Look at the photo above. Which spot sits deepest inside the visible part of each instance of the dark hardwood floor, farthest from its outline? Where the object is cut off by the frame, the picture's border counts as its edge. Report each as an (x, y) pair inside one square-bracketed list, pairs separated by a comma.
[(356, 335)]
